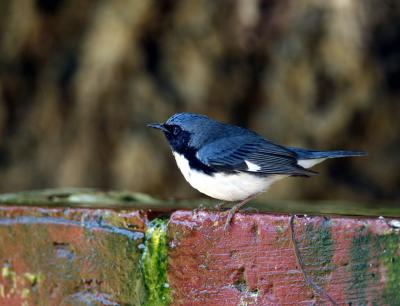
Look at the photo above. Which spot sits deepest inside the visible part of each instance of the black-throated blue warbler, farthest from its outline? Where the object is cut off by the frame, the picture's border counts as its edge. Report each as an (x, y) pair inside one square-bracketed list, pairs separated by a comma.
[(231, 163)]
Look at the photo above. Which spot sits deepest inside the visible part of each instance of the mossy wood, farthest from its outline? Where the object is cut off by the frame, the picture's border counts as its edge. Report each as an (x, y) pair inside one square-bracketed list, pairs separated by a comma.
[(84, 247), (92, 198)]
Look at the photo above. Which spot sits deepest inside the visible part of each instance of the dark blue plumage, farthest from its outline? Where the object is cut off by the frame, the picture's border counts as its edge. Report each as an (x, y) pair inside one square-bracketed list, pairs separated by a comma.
[(230, 153), (312, 154), (212, 146), (233, 163)]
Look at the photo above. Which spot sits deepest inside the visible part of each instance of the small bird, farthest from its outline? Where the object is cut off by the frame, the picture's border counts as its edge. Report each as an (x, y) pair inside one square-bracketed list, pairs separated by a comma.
[(231, 163)]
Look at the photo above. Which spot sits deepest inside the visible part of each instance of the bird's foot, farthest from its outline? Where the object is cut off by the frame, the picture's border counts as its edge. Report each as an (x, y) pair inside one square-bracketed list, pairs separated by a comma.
[(231, 213), (235, 208)]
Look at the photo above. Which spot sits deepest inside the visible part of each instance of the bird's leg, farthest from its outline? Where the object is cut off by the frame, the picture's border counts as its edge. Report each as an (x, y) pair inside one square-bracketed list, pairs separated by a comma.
[(235, 208)]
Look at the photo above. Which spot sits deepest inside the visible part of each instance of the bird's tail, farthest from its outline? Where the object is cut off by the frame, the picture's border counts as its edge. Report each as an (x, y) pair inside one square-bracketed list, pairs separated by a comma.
[(312, 154), (308, 158)]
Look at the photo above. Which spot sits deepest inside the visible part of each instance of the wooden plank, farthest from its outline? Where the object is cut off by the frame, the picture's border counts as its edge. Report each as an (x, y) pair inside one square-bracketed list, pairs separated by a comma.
[(92, 198)]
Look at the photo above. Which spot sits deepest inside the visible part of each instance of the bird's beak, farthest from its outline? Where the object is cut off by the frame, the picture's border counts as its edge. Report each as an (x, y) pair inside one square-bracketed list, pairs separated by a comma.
[(158, 126)]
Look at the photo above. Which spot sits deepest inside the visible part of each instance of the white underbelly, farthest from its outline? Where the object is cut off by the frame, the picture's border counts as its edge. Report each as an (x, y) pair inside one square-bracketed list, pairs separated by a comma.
[(226, 187)]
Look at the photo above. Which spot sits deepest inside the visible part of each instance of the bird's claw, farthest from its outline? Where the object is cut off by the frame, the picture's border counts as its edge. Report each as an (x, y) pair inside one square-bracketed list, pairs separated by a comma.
[(235, 208)]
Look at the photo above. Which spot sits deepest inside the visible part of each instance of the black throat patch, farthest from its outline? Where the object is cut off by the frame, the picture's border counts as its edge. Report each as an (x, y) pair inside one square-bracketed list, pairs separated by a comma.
[(180, 145), (194, 163)]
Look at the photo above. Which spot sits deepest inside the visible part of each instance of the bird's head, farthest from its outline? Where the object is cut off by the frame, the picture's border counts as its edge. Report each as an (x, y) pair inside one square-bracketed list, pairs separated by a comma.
[(185, 130)]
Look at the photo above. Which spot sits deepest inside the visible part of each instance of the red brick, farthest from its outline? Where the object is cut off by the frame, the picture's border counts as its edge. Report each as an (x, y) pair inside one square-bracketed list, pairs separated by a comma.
[(254, 262), (62, 256)]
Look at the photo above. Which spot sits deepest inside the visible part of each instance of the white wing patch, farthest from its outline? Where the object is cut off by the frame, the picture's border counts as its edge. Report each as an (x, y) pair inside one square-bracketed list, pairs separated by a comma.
[(252, 167), (308, 163)]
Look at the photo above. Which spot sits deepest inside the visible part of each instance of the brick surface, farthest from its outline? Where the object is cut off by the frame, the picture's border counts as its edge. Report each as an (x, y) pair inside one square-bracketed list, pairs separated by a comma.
[(75, 256), (70, 257), (347, 261)]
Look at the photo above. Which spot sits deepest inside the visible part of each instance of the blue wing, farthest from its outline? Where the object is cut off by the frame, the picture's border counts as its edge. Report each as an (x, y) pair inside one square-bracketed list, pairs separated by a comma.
[(233, 154)]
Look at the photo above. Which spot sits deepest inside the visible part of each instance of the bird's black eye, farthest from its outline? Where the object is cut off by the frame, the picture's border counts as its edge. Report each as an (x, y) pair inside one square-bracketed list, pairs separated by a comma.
[(176, 130)]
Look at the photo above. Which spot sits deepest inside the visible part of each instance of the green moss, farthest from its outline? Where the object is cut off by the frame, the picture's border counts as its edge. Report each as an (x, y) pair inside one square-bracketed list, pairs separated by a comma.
[(20, 285), (87, 197), (389, 254), (33, 278), (121, 267), (359, 263), (368, 251), (154, 264), (318, 251), (280, 230), (25, 293), (7, 272)]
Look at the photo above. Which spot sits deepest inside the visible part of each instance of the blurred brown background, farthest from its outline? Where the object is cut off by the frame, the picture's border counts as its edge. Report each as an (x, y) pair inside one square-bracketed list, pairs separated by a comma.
[(80, 79)]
